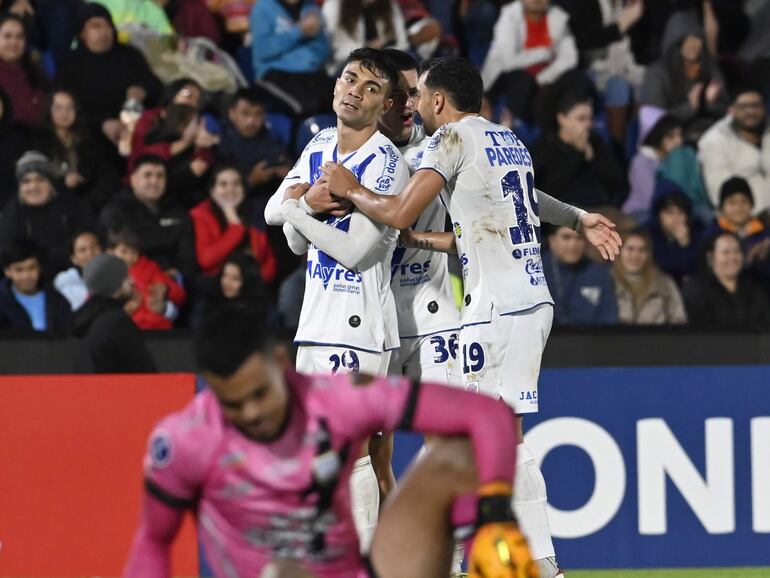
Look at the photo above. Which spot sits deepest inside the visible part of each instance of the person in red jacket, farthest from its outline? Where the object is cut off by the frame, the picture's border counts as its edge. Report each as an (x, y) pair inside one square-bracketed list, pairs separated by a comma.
[(221, 227), (158, 296)]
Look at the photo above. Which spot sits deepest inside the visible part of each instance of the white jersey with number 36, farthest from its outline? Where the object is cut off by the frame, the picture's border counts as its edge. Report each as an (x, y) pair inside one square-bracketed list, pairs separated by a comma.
[(490, 196)]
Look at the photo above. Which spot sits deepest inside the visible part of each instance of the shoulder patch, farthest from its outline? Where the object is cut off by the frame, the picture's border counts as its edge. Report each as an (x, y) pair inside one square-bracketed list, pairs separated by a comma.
[(324, 136), (160, 450), (435, 140)]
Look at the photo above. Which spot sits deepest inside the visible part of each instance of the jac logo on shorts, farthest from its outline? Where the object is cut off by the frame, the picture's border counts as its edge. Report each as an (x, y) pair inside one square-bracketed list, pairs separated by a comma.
[(160, 450), (528, 395)]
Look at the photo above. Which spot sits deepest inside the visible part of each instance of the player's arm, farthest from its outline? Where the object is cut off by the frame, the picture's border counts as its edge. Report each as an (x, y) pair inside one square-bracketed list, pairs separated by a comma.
[(296, 240), (150, 555), (442, 242), (398, 211), (597, 229)]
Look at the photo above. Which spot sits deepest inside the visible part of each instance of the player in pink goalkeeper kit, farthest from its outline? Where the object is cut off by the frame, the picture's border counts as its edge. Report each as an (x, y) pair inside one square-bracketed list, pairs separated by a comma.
[(263, 457)]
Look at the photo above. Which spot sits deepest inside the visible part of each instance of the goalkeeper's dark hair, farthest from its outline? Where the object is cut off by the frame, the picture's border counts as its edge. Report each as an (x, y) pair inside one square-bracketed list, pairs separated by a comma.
[(229, 335)]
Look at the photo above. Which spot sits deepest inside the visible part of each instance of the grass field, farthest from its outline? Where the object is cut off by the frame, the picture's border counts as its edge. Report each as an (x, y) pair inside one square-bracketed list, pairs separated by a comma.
[(678, 573)]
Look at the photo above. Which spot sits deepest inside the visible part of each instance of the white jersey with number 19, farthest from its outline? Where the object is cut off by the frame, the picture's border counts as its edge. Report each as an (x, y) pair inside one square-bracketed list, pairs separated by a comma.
[(491, 199)]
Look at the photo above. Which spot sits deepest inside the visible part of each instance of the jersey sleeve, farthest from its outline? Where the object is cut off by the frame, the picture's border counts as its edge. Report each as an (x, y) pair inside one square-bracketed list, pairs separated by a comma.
[(176, 461), (388, 173), (359, 405), (446, 152)]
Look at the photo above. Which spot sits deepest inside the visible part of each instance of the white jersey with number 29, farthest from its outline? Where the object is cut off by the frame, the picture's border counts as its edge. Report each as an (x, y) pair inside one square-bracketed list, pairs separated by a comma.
[(491, 199)]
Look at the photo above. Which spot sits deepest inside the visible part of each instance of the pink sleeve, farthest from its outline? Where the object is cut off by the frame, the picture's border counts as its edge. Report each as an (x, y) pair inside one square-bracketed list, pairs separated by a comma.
[(489, 424), (150, 555)]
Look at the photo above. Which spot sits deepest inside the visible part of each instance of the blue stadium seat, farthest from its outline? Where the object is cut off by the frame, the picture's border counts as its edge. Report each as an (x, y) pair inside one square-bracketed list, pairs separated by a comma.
[(48, 64), (310, 127), (280, 126)]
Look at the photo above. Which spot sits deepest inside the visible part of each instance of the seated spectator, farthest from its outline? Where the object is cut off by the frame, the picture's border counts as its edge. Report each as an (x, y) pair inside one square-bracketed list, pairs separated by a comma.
[(476, 24), (191, 18), (145, 13), (722, 297), (645, 295), (222, 227), (582, 289), (676, 236), (110, 341), (26, 304), (22, 81), (532, 47), (353, 24), (574, 164), (422, 29), (15, 139), (738, 145), (179, 136), (160, 222), (756, 49), (33, 28), (70, 283), (601, 32), (159, 295), (736, 203), (41, 215), (103, 74), (235, 14), (248, 145), (68, 142), (239, 281), (685, 82), (182, 91), (289, 50), (664, 137)]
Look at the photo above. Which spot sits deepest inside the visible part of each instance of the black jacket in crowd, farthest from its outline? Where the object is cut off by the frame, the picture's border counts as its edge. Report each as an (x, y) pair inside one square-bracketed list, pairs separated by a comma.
[(710, 305), (167, 235), (50, 227), (15, 318), (109, 341)]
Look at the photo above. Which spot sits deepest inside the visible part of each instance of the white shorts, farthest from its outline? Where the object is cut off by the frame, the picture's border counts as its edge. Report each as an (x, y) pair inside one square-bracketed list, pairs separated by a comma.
[(428, 358), (329, 359), (502, 358)]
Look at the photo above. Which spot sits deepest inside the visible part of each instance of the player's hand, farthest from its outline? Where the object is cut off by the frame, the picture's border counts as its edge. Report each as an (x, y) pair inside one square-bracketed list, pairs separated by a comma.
[(296, 191), (339, 179), (499, 549), (600, 232), (320, 199)]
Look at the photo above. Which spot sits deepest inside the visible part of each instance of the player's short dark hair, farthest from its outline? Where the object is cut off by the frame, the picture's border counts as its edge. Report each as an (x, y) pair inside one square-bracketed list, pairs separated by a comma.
[(402, 60), (19, 251), (249, 96), (459, 79), (229, 335), (378, 62), (147, 159)]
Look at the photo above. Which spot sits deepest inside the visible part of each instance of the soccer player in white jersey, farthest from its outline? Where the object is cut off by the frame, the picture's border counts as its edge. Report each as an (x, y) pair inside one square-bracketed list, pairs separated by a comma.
[(348, 319), (485, 178)]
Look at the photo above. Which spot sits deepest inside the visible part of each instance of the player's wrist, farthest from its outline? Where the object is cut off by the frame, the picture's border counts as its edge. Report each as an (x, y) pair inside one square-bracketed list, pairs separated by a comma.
[(494, 503)]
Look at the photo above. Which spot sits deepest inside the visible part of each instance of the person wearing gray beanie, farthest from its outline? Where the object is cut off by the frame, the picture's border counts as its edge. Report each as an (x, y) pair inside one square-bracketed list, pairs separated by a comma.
[(35, 162), (109, 340)]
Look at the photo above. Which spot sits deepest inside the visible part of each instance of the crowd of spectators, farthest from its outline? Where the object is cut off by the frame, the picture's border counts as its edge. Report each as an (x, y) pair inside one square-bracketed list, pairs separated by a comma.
[(154, 131)]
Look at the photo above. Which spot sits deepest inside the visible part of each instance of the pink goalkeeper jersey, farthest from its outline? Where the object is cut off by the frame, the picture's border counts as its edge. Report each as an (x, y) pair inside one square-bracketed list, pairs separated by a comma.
[(257, 501)]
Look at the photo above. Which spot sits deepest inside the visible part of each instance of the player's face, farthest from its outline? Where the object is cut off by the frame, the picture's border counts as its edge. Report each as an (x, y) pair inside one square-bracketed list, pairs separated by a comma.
[(634, 255), (727, 258), (360, 96), (85, 248), (567, 246), (255, 398), (398, 121), (24, 275), (737, 210), (425, 107)]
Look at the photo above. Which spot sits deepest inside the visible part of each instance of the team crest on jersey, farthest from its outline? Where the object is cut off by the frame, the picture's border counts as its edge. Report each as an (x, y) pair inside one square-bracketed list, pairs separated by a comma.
[(160, 450), (436, 138)]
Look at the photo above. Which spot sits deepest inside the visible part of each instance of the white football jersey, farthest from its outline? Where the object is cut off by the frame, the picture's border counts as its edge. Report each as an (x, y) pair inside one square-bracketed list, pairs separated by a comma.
[(490, 196), (351, 307), (419, 278)]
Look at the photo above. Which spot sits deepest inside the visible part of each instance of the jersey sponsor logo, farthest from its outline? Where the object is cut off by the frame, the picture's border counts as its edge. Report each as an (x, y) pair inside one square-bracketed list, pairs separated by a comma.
[(464, 262), (506, 149), (383, 183), (526, 252), (327, 269), (325, 136), (411, 274), (528, 395), (534, 268), (436, 138), (160, 450), (415, 162)]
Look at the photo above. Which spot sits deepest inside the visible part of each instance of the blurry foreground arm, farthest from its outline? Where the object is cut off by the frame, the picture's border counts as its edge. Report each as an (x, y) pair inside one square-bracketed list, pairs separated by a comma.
[(150, 555)]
